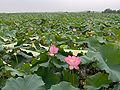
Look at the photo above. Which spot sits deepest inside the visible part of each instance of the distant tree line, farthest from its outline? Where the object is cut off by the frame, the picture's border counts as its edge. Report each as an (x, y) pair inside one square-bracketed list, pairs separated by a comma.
[(111, 11)]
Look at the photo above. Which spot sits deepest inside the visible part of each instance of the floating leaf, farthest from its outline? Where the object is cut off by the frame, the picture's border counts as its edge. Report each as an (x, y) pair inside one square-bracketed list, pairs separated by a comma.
[(63, 86), (10, 46), (97, 81), (75, 52), (29, 82), (35, 54), (14, 71)]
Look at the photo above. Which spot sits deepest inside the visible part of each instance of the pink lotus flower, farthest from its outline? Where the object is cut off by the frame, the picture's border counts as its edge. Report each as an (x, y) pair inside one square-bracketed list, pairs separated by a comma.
[(73, 62), (53, 50)]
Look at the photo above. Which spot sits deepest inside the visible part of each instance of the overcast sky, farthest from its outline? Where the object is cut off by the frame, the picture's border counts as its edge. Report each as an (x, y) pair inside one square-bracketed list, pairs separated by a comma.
[(57, 5)]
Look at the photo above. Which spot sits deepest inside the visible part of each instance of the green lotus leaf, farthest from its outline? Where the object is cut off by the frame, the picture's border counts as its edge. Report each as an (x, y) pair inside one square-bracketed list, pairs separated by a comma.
[(97, 81), (29, 82), (63, 86)]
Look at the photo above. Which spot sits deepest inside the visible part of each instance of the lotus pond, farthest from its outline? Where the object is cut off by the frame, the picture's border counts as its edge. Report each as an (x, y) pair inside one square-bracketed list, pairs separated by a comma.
[(59, 51)]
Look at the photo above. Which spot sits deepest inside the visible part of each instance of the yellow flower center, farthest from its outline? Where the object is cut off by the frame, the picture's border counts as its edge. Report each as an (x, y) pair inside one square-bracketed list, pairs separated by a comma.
[(72, 60)]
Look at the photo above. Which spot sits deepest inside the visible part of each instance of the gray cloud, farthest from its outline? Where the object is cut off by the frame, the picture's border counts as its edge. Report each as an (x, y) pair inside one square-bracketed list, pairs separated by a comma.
[(56, 5)]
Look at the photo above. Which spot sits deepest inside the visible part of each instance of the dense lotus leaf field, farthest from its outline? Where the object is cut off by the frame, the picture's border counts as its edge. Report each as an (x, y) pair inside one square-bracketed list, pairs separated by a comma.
[(59, 51)]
